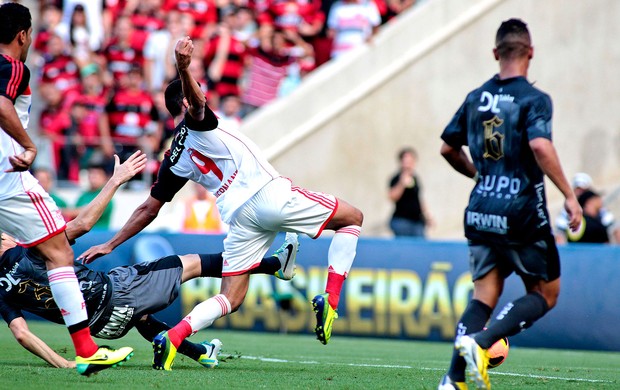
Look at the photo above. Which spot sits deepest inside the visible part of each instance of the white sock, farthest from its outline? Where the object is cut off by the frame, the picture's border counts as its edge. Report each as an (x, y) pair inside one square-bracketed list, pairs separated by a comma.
[(206, 312), (342, 249), (66, 292)]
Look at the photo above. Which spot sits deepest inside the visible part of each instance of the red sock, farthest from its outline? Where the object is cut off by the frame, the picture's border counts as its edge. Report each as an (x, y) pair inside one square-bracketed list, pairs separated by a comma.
[(179, 332), (334, 286), (84, 344)]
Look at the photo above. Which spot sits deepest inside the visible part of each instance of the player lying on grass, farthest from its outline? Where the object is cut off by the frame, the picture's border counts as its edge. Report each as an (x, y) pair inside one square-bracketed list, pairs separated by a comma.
[(118, 300)]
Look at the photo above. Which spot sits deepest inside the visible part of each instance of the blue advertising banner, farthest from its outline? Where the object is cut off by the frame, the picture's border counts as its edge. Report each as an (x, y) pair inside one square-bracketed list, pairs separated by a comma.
[(398, 288)]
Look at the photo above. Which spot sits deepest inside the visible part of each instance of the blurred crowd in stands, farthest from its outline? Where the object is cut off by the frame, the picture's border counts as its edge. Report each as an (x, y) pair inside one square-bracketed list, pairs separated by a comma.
[(101, 65)]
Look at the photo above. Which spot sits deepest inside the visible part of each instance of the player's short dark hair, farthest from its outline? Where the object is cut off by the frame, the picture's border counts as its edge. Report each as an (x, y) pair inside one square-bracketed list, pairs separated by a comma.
[(14, 18), (173, 96), (513, 39)]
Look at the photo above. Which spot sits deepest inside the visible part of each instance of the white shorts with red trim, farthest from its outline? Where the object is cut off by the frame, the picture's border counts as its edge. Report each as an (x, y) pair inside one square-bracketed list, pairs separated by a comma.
[(277, 207), (31, 217)]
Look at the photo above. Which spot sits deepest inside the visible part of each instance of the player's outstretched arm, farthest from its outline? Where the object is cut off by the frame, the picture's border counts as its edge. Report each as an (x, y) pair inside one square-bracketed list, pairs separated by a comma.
[(90, 214), (549, 162), (32, 343), (191, 90), (141, 218), (9, 122)]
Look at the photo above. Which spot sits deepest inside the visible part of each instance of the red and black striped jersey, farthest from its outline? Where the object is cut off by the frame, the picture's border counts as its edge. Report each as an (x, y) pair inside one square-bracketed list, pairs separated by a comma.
[(131, 114), (14, 78), (233, 68), (61, 71)]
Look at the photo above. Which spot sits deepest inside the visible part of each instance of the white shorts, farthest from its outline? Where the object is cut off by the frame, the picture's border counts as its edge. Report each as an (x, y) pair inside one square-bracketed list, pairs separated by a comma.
[(31, 217), (277, 207)]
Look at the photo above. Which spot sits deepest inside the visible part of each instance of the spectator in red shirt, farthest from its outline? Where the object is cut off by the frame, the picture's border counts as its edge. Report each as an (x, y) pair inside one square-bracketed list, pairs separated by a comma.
[(124, 50), (147, 17), (225, 58), (133, 117), (204, 13), (59, 68), (94, 127), (303, 16), (53, 121)]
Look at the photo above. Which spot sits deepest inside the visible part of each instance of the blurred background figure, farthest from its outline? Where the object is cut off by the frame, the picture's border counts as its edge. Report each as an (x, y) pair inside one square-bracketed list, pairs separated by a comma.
[(79, 37), (201, 214), (269, 65), (229, 113), (581, 182), (599, 225), (134, 121), (351, 23), (410, 216), (592, 229), (99, 173)]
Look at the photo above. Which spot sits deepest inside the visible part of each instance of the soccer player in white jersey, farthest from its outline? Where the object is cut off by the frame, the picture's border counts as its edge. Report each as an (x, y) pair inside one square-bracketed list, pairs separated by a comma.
[(252, 198), (26, 211)]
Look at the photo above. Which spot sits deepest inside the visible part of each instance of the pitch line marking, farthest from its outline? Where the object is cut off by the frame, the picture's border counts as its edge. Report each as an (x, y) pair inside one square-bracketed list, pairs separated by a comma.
[(273, 360)]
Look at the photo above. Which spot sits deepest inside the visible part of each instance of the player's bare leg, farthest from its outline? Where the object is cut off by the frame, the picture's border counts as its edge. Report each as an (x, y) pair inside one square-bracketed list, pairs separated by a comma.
[(347, 222)]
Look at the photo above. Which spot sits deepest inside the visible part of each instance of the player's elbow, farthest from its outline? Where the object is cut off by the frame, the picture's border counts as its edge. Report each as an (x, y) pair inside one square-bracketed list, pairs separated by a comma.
[(79, 227), (20, 332), (540, 146), (447, 151)]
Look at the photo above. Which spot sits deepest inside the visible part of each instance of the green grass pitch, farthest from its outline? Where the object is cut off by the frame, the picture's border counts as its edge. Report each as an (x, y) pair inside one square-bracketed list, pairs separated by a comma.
[(275, 361)]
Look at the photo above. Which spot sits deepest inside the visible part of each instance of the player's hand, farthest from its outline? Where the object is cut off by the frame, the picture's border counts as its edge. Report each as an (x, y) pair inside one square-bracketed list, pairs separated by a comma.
[(69, 364), (93, 253), (575, 213), (183, 53), (132, 166), (23, 161)]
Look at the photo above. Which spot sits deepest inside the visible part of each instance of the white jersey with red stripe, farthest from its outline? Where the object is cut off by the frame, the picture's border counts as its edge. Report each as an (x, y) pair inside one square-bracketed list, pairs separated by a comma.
[(226, 163), (14, 77)]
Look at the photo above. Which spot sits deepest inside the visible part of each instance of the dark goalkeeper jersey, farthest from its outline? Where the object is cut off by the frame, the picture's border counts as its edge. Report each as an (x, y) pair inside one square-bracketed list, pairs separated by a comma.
[(24, 286), (496, 122)]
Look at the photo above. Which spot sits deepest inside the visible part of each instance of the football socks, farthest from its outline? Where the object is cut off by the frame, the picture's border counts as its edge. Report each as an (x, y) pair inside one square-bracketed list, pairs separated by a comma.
[(473, 320), (513, 318)]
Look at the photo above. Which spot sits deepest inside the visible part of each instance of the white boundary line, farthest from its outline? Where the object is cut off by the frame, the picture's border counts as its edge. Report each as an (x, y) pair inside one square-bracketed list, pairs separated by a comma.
[(273, 360)]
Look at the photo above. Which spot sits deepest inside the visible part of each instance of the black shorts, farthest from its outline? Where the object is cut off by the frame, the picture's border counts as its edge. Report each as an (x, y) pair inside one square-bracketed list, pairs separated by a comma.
[(140, 289), (538, 260)]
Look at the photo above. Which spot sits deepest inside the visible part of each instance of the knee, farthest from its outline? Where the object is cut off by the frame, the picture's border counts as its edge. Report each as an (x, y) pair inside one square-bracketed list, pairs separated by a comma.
[(359, 217), (551, 297)]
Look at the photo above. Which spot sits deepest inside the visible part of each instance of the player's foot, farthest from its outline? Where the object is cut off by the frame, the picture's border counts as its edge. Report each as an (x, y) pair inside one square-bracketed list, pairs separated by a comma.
[(477, 360), (209, 358), (105, 357), (325, 316), (164, 352), (287, 254), (448, 384)]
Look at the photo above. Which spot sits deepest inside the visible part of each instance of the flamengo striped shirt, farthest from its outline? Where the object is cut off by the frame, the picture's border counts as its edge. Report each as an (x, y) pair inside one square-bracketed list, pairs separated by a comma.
[(265, 75), (14, 78)]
